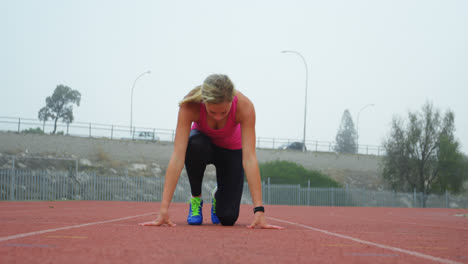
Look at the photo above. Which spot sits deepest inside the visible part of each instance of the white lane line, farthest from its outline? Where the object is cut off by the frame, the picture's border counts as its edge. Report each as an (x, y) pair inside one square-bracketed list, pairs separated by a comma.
[(68, 227), (402, 222), (409, 252), (438, 226)]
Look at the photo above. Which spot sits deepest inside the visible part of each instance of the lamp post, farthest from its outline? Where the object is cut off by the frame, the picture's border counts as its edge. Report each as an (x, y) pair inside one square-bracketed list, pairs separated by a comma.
[(357, 124), (131, 99), (305, 98)]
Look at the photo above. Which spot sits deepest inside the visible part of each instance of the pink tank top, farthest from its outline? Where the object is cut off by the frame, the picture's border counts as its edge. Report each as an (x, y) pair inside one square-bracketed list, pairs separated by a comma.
[(229, 136)]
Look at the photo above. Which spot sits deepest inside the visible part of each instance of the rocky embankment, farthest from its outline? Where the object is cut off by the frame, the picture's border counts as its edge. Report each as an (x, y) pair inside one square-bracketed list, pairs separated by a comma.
[(134, 158)]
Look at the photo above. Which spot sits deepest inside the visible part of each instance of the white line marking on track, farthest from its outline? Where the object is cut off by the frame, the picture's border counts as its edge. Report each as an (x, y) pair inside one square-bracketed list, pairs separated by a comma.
[(438, 226), (402, 222), (409, 252), (68, 227)]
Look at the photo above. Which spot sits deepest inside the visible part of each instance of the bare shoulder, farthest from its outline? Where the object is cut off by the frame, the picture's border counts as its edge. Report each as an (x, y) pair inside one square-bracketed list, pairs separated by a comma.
[(245, 108), (189, 112)]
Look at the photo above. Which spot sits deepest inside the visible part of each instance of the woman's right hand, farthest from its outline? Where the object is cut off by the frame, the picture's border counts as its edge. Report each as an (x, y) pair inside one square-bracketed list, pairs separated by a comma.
[(163, 218)]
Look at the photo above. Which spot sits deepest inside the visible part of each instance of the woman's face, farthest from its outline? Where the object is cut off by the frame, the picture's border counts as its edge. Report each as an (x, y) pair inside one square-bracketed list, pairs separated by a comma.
[(218, 111)]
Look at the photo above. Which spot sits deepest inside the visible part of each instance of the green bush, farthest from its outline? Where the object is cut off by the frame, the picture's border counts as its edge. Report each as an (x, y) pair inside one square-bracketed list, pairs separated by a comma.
[(286, 172), (36, 130)]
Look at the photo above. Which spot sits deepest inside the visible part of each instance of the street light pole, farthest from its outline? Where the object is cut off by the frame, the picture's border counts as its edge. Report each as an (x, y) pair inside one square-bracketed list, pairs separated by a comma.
[(131, 99), (357, 124), (305, 98)]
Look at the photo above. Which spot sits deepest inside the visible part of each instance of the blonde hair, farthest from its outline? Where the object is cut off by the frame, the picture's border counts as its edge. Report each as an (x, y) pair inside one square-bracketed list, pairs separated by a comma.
[(215, 89)]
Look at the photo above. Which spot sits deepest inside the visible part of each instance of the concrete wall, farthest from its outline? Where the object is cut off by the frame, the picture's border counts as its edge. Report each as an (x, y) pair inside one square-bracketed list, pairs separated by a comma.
[(354, 170)]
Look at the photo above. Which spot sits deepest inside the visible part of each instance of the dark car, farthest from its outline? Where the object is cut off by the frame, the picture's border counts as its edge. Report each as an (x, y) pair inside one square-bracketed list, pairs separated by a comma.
[(294, 146)]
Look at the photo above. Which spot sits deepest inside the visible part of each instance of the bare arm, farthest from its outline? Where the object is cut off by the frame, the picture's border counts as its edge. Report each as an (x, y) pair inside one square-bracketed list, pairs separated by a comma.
[(176, 163), (187, 114), (246, 118), (249, 156)]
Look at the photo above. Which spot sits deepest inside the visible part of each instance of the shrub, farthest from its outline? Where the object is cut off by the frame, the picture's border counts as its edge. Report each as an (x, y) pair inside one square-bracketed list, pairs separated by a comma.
[(36, 130), (286, 172), (102, 155)]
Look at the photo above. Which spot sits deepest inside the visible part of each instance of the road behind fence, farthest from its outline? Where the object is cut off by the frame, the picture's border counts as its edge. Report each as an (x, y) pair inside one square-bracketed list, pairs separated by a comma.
[(27, 185)]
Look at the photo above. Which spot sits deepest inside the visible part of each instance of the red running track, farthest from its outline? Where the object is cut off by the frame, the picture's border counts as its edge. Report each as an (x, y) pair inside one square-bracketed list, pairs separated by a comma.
[(108, 232)]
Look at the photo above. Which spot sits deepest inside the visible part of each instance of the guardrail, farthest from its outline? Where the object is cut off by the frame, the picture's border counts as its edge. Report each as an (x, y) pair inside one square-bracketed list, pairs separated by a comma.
[(111, 131), (83, 129)]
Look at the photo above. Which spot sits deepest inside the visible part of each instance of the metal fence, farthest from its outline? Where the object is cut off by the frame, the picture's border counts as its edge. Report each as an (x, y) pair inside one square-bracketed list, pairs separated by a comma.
[(29, 185), (82, 129)]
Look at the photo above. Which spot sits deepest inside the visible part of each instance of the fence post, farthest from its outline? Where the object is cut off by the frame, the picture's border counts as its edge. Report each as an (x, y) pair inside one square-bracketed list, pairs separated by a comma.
[(43, 186), (346, 195), (19, 125), (12, 183), (68, 125), (299, 193), (308, 192), (414, 197), (94, 185), (333, 196), (72, 179), (446, 199), (126, 185), (421, 200), (76, 167), (89, 129), (112, 131), (269, 190)]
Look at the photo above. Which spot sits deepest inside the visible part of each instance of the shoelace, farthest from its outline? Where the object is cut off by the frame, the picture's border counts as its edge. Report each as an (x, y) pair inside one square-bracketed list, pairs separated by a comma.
[(214, 199), (214, 205), (195, 203)]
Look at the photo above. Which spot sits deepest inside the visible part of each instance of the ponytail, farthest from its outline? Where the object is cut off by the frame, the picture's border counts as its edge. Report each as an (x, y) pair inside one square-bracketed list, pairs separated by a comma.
[(194, 96)]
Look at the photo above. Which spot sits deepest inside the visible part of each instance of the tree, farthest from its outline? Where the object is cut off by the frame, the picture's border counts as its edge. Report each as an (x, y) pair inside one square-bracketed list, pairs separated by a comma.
[(60, 105), (346, 136), (453, 167), (424, 154)]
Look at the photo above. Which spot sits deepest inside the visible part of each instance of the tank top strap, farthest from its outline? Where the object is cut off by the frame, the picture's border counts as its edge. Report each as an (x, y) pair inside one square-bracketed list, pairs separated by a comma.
[(232, 115), (202, 117)]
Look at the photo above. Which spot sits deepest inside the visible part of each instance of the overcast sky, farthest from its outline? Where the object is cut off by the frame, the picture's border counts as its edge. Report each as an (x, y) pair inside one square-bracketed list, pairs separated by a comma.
[(395, 54)]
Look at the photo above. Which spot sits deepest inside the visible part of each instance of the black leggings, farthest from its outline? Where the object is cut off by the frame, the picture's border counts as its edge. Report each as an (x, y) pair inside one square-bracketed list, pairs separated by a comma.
[(229, 174)]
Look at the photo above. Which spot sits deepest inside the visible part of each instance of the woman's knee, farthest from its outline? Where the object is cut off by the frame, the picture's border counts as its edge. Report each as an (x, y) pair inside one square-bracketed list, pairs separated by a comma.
[(228, 219), (198, 143)]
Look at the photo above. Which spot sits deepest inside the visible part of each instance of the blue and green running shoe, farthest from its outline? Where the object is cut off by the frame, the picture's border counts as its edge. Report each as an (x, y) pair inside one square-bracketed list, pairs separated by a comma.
[(195, 216), (214, 218)]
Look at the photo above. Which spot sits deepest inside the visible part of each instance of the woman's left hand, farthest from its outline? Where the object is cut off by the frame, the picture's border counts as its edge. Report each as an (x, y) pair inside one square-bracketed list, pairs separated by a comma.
[(259, 220)]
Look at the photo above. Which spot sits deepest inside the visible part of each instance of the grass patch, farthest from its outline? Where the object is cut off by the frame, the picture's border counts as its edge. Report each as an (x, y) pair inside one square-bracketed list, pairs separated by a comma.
[(286, 172)]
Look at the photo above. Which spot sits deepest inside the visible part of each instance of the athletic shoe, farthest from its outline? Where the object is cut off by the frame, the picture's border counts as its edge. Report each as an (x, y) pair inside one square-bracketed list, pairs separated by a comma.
[(195, 216), (214, 218)]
